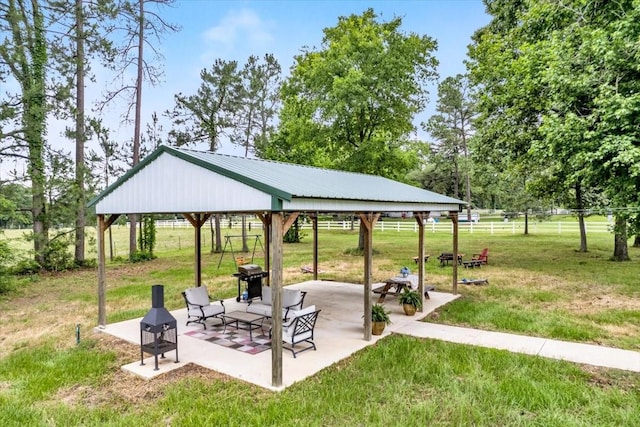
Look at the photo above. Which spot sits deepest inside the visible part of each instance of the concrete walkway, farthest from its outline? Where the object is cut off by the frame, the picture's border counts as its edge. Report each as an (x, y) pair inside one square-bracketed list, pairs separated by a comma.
[(574, 352)]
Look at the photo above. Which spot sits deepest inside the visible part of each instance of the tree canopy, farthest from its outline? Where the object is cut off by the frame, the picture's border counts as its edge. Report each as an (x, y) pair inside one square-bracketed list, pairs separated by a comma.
[(351, 103)]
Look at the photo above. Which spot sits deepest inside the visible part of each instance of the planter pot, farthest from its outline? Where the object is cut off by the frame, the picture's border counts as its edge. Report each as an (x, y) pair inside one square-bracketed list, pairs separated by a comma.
[(409, 309), (377, 327)]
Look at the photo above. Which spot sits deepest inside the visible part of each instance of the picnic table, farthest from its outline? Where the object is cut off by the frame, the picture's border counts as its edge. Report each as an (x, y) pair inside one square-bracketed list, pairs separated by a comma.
[(416, 258), (395, 285), (445, 257)]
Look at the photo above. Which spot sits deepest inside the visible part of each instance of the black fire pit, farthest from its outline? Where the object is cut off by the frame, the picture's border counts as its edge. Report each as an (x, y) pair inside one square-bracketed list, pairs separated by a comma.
[(158, 329)]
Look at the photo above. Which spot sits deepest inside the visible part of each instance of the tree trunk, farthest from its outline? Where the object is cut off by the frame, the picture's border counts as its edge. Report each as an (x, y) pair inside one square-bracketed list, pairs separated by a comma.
[(583, 233), (213, 234), (35, 121), (218, 247), (526, 221), (80, 136), (620, 250), (110, 245), (245, 248), (583, 230), (138, 114), (361, 237)]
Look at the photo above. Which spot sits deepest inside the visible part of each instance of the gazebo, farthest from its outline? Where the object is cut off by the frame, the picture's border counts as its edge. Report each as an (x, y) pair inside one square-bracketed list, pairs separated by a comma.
[(199, 184)]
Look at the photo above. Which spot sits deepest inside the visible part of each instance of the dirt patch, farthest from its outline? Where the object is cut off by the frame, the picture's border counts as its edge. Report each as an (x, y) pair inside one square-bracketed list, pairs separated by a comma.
[(608, 378), (124, 388)]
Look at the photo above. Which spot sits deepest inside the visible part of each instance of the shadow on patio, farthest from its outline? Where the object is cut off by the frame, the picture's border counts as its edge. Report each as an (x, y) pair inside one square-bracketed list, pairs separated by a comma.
[(338, 334)]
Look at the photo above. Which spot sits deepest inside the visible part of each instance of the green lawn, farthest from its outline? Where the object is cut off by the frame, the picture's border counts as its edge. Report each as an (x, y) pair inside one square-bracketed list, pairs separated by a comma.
[(539, 285)]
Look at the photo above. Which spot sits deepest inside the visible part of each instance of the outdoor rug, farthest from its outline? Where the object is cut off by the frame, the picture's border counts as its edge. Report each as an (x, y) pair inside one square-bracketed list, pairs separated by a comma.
[(237, 339)]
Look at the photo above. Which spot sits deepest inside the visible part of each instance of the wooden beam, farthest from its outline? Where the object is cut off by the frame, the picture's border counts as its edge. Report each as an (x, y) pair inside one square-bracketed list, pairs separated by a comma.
[(266, 227), (289, 221), (314, 222), (368, 221), (421, 219), (454, 219), (277, 234), (102, 284), (197, 220), (109, 222)]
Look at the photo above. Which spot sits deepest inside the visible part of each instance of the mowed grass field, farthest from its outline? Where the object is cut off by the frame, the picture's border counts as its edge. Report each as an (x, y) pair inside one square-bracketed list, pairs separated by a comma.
[(539, 286)]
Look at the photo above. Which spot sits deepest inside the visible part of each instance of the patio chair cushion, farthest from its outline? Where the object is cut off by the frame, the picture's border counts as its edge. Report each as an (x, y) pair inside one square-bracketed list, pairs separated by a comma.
[(198, 295), (199, 305), (266, 295), (291, 299), (288, 327)]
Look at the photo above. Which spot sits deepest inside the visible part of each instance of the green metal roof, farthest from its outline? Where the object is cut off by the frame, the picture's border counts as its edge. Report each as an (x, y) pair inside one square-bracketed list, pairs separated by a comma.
[(286, 181)]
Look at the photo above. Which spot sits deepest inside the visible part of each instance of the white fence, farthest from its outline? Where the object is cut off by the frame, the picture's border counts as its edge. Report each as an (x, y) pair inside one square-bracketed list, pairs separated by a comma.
[(433, 227)]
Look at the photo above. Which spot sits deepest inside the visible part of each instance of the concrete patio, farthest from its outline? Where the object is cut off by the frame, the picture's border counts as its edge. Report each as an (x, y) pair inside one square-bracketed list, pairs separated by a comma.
[(338, 334)]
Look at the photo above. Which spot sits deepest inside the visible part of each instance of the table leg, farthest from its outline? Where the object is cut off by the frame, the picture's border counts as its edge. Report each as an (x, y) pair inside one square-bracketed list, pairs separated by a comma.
[(383, 293)]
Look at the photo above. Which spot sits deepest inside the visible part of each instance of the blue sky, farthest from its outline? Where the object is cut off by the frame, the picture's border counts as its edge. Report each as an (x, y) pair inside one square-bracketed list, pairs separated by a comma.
[(236, 29)]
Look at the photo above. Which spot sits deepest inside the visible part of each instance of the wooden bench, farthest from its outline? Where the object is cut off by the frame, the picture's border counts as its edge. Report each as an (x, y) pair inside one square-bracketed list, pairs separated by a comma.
[(472, 263)]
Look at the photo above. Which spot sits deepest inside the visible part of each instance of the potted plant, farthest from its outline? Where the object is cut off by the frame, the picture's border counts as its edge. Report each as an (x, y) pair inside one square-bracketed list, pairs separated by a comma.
[(410, 301), (379, 319)]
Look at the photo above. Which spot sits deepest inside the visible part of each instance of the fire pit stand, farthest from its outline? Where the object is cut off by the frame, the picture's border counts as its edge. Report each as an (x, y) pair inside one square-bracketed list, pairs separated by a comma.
[(158, 329)]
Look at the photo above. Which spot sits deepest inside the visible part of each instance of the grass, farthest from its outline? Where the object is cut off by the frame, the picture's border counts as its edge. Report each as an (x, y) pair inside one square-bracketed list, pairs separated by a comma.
[(539, 286), (429, 383)]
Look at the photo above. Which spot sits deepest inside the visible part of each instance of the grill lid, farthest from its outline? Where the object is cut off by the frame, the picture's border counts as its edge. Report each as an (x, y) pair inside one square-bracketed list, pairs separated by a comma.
[(249, 269)]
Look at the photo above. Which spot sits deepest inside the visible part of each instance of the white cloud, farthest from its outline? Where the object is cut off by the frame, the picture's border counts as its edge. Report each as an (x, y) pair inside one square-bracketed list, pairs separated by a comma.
[(240, 30)]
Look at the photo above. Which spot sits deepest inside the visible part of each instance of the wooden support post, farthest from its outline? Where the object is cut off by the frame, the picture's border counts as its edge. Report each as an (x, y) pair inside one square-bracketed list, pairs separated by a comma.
[(102, 315), (102, 273), (197, 220), (454, 219), (266, 227), (421, 218), (277, 233), (368, 221), (314, 222)]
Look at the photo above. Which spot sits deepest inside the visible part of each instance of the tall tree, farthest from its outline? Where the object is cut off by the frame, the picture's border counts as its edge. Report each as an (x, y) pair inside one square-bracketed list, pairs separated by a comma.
[(258, 107), (351, 104), (571, 67), (107, 163), (208, 115), (23, 52), (141, 25), (452, 128), (79, 37)]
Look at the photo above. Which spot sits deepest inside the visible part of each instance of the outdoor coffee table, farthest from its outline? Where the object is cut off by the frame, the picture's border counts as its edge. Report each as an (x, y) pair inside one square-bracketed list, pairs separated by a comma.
[(244, 320)]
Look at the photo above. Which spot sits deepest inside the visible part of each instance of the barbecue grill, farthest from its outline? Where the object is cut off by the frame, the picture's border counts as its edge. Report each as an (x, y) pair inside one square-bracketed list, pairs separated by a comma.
[(158, 329), (252, 274)]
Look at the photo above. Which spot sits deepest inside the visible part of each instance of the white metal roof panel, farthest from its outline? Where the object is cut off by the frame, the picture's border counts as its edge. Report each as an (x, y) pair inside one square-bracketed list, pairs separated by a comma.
[(171, 185)]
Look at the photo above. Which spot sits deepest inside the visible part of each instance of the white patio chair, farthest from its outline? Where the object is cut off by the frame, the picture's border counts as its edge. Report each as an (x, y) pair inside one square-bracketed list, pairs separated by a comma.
[(199, 306), (299, 329)]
